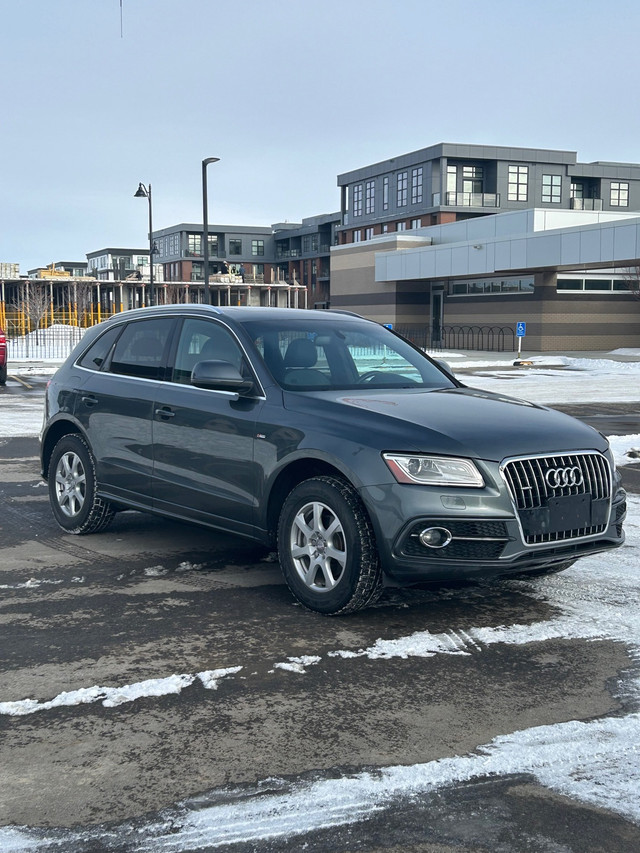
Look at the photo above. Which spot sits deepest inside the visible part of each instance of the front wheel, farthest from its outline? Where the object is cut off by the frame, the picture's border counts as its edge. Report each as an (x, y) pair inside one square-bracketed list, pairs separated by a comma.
[(72, 488), (3, 374), (327, 547)]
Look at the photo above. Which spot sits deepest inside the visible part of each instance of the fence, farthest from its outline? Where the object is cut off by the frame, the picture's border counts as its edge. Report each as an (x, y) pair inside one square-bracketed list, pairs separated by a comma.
[(479, 338)]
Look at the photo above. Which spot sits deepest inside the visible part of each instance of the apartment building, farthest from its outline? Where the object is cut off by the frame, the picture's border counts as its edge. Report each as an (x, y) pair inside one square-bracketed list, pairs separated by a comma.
[(450, 182)]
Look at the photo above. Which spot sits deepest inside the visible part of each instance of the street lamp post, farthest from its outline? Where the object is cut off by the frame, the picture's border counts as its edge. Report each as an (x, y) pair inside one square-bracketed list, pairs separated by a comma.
[(145, 192), (205, 226)]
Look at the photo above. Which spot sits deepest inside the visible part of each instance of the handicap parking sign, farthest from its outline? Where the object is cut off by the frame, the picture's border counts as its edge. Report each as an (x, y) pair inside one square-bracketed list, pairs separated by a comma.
[(521, 329)]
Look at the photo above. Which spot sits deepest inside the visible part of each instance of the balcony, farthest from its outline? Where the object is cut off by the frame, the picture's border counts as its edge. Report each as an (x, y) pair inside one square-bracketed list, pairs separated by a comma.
[(586, 204), (472, 199), (287, 253)]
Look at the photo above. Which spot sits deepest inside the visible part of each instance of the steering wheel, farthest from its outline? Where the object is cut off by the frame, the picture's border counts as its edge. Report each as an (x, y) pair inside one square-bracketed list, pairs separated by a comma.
[(369, 376)]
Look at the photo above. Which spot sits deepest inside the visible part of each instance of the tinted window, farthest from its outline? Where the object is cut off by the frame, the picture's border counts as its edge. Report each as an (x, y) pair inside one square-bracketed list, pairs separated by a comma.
[(306, 354), (202, 340), (140, 348), (95, 356)]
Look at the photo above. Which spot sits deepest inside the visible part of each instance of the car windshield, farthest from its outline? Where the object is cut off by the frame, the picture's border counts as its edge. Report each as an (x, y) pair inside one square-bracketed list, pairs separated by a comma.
[(304, 355)]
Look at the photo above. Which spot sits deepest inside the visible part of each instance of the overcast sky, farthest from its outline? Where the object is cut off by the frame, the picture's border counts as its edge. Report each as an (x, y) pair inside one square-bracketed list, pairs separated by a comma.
[(288, 93)]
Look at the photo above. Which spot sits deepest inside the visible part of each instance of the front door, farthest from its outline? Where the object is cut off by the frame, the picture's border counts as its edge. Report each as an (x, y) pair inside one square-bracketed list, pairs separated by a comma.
[(204, 440)]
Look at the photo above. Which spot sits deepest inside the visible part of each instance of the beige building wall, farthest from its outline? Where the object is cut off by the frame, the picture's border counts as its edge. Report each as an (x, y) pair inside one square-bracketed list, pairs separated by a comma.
[(354, 286), (556, 321)]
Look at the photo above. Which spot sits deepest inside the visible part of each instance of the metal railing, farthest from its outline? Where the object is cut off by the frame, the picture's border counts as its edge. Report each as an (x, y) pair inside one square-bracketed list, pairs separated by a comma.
[(586, 204), (476, 338), (472, 199)]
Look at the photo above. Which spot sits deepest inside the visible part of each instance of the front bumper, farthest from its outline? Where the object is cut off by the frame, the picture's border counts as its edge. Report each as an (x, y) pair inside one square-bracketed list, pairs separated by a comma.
[(487, 538)]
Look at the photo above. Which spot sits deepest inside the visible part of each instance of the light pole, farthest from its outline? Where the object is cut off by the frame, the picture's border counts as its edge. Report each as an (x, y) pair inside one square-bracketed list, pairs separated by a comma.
[(205, 226), (145, 192)]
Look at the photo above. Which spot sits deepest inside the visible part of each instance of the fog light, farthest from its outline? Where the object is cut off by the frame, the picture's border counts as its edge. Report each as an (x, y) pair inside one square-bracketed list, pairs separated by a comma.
[(435, 537)]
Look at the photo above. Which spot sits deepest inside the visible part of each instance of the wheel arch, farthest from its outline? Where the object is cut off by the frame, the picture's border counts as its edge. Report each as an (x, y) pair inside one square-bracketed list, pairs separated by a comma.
[(56, 431), (294, 473)]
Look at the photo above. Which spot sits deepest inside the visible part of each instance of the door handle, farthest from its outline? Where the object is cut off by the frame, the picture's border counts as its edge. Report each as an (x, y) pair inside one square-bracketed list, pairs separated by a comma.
[(165, 412), (90, 400)]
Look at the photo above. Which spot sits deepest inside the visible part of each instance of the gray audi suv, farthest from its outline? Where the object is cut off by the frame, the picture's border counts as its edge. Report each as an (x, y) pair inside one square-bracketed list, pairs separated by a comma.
[(363, 460)]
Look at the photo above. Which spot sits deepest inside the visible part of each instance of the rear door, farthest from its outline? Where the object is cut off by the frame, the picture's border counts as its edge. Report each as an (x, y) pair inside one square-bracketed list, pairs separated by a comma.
[(204, 440), (116, 404)]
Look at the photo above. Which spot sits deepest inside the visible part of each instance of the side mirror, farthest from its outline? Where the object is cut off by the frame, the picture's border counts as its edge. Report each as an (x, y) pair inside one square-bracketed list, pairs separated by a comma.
[(444, 365), (219, 376)]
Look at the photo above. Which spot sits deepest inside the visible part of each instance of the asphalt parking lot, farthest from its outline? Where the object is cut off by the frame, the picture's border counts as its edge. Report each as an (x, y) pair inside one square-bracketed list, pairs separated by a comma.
[(176, 685)]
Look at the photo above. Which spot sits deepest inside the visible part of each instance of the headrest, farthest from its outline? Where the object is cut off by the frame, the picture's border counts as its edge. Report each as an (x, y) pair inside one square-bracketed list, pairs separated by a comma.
[(301, 352)]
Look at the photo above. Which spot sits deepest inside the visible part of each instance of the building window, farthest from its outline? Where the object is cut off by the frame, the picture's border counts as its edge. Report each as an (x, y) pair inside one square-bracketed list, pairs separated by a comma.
[(473, 172), (518, 183), (402, 226), (403, 184), (577, 190), (619, 194), (194, 244), (368, 233), (235, 247), (472, 180), (370, 198), (257, 247), (416, 185), (213, 246), (482, 287), (551, 189), (385, 228), (385, 193), (452, 179), (357, 200), (416, 223), (357, 236), (590, 285)]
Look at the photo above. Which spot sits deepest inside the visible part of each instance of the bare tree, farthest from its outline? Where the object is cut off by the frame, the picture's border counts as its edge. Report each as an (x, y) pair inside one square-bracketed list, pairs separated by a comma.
[(631, 276), (83, 293), (174, 293), (34, 303)]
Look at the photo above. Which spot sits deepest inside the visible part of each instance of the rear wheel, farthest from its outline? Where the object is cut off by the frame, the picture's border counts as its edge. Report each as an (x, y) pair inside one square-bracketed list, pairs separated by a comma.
[(327, 547), (3, 374), (72, 488)]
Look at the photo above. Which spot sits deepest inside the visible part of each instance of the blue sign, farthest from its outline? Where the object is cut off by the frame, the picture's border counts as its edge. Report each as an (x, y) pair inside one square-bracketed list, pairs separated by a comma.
[(521, 329), (388, 325)]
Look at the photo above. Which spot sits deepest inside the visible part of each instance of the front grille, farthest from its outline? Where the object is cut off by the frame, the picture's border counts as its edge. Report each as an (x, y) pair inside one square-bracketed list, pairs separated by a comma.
[(560, 497)]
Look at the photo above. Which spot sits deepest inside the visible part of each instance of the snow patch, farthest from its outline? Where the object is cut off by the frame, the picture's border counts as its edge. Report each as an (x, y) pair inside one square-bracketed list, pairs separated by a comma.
[(111, 697), (298, 664)]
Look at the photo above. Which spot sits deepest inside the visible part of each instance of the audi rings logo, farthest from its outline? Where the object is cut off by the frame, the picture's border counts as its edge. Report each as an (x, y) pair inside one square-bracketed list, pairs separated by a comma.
[(559, 478)]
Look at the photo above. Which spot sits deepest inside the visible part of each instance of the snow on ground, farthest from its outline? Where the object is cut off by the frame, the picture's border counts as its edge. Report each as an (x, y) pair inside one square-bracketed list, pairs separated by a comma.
[(595, 762), (555, 380)]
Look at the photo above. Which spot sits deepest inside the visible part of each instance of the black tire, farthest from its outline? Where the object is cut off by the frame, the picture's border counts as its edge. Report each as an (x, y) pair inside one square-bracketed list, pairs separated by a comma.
[(72, 488), (327, 548), (3, 374)]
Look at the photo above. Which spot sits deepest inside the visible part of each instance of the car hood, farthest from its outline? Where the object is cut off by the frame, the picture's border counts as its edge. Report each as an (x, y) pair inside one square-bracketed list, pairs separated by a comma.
[(454, 421)]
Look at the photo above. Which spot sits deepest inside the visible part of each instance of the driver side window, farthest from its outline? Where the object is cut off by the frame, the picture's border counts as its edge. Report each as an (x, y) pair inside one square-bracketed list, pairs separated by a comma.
[(203, 340)]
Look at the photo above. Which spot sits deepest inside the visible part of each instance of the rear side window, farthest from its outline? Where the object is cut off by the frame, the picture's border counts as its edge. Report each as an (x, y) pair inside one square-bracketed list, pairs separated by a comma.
[(140, 348), (94, 357)]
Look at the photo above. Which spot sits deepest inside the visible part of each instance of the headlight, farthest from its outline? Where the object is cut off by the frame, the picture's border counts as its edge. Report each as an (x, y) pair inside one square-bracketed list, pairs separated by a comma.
[(433, 470)]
